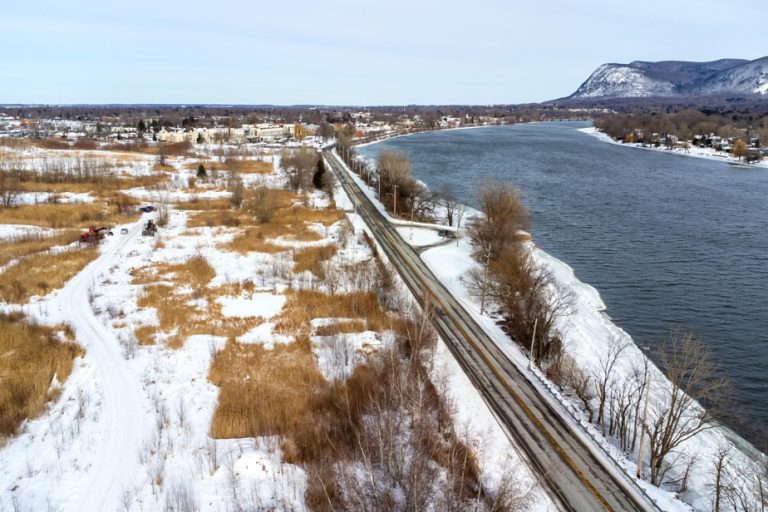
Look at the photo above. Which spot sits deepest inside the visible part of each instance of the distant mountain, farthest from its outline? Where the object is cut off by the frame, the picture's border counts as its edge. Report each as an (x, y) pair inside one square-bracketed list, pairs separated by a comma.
[(641, 79)]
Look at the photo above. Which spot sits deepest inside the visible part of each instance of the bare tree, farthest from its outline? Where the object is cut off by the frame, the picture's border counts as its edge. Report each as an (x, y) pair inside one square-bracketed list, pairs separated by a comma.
[(161, 153), (603, 376), (504, 216), (719, 469), (676, 415), (447, 199), (9, 191), (236, 189), (579, 382), (262, 204), (300, 165)]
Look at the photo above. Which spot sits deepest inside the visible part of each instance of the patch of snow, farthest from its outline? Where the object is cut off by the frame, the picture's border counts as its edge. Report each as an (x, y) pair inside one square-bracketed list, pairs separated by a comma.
[(337, 355), (48, 197), (419, 237), (265, 305), (12, 231), (264, 335)]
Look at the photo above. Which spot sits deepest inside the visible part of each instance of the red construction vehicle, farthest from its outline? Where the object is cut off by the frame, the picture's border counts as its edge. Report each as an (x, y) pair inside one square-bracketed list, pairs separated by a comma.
[(94, 234)]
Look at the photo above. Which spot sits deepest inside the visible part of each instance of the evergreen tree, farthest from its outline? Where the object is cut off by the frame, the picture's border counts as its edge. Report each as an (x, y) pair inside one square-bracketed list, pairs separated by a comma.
[(201, 172), (317, 179)]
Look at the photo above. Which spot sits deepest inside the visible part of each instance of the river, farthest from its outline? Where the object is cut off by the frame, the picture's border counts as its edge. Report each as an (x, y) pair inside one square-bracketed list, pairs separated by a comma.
[(669, 241)]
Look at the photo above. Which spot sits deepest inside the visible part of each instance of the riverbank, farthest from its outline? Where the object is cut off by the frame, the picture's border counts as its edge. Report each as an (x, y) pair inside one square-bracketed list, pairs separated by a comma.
[(693, 151), (589, 332), (398, 135)]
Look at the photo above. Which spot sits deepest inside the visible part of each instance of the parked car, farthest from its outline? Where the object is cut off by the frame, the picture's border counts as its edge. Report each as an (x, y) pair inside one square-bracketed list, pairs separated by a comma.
[(124, 231), (148, 208)]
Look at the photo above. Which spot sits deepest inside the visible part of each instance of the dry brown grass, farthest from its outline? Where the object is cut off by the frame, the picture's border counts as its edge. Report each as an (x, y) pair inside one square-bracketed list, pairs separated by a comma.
[(208, 164), (39, 274), (215, 217), (65, 215), (204, 204), (31, 244), (287, 223), (252, 240), (304, 305), (254, 167), (146, 334), (290, 221), (30, 356), (312, 259), (183, 312), (239, 166), (340, 327), (163, 168), (281, 391), (146, 181), (263, 392)]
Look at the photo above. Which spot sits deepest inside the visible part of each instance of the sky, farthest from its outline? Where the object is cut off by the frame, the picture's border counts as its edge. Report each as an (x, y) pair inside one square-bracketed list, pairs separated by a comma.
[(350, 52)]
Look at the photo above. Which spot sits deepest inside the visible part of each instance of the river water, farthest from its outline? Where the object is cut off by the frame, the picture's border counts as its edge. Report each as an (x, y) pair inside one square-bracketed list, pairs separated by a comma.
[(669, 241)]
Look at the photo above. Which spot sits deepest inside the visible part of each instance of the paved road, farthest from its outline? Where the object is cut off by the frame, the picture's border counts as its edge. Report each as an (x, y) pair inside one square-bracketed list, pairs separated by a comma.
[(574, 476)]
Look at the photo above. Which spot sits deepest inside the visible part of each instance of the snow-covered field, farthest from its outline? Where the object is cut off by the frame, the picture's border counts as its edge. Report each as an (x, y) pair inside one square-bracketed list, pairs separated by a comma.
[(131, 428)]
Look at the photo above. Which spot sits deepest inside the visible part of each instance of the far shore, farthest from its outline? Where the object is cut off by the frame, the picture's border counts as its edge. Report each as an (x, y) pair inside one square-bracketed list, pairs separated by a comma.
[(388, 137), (696, 152)]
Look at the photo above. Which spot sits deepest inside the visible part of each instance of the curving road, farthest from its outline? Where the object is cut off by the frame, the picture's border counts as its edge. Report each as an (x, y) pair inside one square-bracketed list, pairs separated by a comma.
[(573, 471), (121, 414)]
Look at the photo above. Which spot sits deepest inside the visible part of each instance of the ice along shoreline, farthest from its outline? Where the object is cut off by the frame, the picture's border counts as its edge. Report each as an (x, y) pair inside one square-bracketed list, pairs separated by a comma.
[(589, 330), (695, 152)]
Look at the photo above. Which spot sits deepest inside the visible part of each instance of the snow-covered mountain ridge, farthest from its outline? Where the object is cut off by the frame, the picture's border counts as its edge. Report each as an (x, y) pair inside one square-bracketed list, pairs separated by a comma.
[(641, 79)]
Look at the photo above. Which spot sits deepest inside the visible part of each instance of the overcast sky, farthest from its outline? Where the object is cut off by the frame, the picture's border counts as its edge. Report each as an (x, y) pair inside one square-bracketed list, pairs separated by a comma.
[(350, 51)]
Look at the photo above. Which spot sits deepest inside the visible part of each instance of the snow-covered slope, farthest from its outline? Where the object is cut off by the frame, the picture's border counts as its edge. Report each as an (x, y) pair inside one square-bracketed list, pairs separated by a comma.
[(676, 78), (620, 80), (751, 77)]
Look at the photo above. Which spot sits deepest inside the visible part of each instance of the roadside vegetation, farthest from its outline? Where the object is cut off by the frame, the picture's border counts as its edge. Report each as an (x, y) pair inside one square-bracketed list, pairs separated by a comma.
[(33, 358), (650, 417)]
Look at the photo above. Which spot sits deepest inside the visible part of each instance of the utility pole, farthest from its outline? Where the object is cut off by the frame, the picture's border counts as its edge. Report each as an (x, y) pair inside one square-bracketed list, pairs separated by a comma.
[(642, 431), (533, 343), (412, 205), (394, 208), (485, 280)]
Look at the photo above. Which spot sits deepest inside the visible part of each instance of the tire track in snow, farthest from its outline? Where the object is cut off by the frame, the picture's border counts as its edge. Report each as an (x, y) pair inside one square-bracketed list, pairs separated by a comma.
[(121, 414)]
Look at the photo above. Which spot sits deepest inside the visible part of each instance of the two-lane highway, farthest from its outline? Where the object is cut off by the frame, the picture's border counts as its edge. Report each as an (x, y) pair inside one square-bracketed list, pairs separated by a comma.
[(572, 472)]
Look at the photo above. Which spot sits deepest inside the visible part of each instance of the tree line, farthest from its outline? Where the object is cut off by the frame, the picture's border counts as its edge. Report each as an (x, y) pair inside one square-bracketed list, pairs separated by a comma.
[(700, 127)]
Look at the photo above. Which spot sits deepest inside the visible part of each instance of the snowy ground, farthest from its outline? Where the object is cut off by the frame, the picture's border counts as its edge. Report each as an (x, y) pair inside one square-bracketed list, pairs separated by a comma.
[(130, 430), (47, 197), (15, 231)]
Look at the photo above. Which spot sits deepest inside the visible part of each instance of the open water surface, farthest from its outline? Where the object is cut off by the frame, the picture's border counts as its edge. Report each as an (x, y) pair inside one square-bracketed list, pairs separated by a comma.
[(669, 241)]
